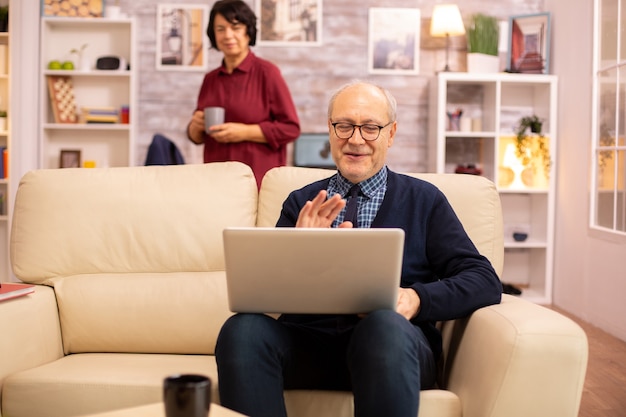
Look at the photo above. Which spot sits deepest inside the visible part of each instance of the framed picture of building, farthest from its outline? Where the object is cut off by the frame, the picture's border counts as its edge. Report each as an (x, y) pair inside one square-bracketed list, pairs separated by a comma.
[(289, 22), (393, 41), (182, 43), (529, 44)]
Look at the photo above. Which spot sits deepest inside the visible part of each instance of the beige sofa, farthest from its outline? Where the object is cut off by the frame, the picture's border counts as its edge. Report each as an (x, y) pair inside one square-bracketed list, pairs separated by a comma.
[(130, 281)]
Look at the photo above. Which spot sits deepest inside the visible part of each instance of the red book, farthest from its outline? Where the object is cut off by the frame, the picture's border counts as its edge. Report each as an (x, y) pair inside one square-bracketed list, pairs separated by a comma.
[(10, 290), (5, 159)]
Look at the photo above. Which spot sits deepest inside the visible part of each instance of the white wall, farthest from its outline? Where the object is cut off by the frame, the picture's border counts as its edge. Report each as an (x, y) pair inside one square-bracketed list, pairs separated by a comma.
[(589, 277)]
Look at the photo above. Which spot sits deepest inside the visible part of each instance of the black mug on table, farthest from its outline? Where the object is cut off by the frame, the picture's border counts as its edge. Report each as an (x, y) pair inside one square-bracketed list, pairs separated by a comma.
[(187, 395)]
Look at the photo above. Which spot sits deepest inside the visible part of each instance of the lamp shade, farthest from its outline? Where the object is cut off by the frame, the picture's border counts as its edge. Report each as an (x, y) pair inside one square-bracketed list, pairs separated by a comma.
[(446, 20)]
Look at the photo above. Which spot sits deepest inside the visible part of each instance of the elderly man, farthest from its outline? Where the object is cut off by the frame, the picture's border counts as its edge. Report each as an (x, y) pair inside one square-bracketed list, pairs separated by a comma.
[(384, 357)]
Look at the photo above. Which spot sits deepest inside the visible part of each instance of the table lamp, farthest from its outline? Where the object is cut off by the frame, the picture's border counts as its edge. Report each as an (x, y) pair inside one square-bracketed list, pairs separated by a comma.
[(446, 21)]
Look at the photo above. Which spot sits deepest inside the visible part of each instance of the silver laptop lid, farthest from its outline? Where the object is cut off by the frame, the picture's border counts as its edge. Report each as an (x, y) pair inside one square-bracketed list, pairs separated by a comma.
[(312, 271)]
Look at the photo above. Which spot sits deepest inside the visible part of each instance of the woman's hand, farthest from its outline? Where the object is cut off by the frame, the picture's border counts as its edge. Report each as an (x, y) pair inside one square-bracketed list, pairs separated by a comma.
[(195, 129), (237, 132)]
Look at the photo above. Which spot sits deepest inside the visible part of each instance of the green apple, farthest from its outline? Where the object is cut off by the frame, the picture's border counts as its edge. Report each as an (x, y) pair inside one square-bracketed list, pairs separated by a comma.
[(54, 65), (67, 65)]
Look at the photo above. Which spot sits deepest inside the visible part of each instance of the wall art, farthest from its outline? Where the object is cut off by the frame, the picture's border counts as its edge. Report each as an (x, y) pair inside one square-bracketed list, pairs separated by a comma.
[(182, 43), (529, 44), (393, 41), (289, 22)]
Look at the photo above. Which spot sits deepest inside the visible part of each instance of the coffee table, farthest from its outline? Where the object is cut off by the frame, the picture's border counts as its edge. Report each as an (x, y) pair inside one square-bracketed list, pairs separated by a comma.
[(158, 410)]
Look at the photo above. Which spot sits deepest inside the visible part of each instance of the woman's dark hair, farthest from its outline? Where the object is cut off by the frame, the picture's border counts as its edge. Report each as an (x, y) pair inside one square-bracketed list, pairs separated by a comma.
[(233, 11)]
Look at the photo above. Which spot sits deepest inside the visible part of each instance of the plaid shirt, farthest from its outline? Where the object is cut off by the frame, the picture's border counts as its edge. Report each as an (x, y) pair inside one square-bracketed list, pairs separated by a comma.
[(371, 197)]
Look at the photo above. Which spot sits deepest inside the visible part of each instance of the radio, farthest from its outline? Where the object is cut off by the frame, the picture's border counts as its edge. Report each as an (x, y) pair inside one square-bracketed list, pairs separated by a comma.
[(111, 63)]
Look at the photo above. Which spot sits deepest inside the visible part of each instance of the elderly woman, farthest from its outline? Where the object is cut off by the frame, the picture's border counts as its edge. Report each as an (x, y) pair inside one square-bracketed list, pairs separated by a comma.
[(260, 117)]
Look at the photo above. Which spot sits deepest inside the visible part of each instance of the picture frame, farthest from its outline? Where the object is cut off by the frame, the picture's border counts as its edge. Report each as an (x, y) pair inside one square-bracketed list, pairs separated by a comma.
[(69, 158), (529, 44), (182, 43), (289, 22), (394, 40), (80, 8)]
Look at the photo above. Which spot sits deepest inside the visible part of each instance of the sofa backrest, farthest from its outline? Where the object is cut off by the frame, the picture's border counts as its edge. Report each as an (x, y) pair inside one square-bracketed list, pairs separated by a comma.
[(134, 254), (475, 200)]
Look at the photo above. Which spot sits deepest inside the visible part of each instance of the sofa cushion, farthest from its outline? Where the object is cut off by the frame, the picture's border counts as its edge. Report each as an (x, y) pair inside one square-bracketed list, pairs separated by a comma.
[(88, 383), (66, 223), (94, 382), (176, 312)]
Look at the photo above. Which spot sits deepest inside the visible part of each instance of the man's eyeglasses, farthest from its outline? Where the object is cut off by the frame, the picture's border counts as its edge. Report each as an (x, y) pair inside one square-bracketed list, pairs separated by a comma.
[(345, 130)]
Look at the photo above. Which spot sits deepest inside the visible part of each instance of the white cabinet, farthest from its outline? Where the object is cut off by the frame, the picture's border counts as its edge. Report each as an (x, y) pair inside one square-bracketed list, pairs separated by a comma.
[(5, 152), (483, 141), (101, 144)]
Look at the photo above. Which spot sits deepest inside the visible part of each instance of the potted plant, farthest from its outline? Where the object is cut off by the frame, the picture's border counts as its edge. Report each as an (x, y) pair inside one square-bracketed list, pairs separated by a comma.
[(483, 37), (532, 147)]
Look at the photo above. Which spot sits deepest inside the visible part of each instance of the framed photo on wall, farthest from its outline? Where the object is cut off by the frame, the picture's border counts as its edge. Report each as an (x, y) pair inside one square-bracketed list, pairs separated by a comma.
[(289, 22), (182, 43), (69, 158), (529, 44), (393, 41)]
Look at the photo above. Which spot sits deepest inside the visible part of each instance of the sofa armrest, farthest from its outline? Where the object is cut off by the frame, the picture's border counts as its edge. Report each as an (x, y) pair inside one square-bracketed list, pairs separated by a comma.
[(516, 359), (31, 333)]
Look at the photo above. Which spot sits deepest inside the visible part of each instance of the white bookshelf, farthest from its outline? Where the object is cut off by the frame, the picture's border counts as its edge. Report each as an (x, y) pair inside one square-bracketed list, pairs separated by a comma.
[(5, 142), (494, 103), (106, 144)]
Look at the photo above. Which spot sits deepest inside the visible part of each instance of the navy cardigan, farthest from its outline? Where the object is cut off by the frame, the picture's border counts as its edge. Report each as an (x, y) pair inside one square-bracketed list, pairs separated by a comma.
[(440, 261)]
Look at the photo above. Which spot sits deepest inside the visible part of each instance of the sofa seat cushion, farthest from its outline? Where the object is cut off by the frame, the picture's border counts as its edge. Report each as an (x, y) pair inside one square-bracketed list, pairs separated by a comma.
[(90, 383), (303, 403)]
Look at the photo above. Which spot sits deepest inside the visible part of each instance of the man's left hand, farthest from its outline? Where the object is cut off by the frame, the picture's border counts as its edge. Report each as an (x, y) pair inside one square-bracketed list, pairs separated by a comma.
[(408, 303)]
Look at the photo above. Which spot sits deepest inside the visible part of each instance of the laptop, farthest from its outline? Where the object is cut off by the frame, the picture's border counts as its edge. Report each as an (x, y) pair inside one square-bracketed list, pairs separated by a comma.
[(312, 271)]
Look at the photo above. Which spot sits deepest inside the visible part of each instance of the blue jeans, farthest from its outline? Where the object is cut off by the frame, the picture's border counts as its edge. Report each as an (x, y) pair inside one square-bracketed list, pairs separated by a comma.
[(384, 360)]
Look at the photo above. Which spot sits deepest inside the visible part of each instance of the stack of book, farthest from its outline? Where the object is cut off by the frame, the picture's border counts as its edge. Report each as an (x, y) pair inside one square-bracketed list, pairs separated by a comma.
[(99, 115)]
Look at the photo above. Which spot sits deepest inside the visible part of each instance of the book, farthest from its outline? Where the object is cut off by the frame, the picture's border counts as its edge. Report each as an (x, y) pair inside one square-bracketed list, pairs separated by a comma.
[(3, 162), (10, 290), (99, 115)]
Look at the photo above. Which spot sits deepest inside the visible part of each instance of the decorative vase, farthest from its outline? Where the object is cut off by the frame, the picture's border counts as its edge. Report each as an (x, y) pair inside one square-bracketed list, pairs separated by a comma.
[(85, 63), (482, 63), (113, 12)]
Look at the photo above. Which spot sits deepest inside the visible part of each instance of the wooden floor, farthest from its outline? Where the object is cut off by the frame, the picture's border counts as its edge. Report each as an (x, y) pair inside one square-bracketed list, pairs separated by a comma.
[(604, 393)]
